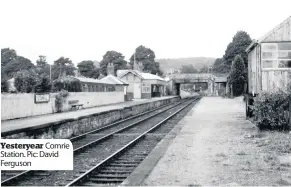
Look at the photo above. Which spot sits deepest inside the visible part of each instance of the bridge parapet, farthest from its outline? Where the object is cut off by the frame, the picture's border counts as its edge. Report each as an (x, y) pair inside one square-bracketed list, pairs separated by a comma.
[(208, 78)]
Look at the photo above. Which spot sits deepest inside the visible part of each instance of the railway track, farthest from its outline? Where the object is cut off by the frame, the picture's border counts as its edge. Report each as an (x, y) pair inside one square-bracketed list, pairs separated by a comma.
[(118, 166), (82, 140), (94, 147)]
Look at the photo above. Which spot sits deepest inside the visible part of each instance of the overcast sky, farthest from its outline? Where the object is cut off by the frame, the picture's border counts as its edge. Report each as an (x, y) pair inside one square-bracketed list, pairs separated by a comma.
[(85, 30)]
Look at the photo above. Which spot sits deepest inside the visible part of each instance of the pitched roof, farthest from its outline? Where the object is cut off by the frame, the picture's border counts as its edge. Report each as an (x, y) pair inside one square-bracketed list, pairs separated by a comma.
[(270, 33), (282, 24), (85, 79), (150, 76), (146, 76), (114, 80)]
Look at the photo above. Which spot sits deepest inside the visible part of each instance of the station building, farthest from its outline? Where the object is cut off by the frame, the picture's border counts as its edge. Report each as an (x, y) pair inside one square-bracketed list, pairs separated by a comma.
[(142, 85)]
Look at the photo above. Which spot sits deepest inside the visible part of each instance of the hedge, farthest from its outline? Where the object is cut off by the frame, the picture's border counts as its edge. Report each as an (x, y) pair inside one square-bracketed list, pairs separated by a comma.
[(271, 111)]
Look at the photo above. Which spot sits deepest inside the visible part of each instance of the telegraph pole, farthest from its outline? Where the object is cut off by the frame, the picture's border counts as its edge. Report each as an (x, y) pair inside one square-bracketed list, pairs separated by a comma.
[(50, 73)]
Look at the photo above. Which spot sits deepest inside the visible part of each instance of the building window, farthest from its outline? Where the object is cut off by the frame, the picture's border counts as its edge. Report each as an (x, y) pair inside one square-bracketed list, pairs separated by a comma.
[(276, 55)]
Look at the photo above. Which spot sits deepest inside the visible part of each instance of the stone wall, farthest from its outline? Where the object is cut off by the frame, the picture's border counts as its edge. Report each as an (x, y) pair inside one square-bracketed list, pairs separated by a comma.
[(73, 127), (23, 105)]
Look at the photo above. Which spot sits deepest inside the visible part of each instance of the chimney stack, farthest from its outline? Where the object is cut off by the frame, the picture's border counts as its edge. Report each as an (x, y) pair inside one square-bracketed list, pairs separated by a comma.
[(138, 66), (110, 69)]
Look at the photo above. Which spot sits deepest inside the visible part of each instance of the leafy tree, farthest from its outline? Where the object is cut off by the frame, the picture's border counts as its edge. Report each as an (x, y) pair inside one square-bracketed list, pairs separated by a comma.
[(41, 61), (17, 64), (70, 84), (42, 67), (147, 57), (188, 69), (26, 80), (237, 76), (237, 47), (114, 57), (62, 66), (43, 85), (4, 79), (218, 66), (7, 55), (88, 69)]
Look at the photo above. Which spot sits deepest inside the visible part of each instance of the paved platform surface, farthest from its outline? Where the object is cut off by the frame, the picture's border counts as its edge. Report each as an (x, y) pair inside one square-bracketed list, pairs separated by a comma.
[(11, 125), (217, 146)]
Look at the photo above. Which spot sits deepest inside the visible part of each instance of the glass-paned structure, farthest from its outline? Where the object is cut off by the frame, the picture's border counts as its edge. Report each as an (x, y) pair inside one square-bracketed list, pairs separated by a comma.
[(276, 55)]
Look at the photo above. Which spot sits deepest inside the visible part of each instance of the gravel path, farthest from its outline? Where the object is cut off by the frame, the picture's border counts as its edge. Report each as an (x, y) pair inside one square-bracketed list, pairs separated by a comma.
[(217, 146)]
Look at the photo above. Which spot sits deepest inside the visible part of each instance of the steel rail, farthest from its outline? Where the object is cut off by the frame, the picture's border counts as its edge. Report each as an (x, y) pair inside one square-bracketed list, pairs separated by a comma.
[(87, 174), (116, 123), (99, 140)]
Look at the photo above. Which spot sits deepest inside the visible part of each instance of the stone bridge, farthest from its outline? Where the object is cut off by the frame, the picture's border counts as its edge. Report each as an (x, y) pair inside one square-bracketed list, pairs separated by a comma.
[(216, 83)]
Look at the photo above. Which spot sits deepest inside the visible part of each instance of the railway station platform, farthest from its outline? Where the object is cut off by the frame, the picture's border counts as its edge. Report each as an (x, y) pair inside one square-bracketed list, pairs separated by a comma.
[(212, 145), (46, 125)]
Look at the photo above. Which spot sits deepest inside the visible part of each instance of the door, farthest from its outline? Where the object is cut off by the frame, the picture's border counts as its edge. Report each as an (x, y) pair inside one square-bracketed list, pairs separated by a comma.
[(137, 90)]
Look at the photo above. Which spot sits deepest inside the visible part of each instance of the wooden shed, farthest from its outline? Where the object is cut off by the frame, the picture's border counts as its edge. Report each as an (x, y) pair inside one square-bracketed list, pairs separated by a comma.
[(269, 62)]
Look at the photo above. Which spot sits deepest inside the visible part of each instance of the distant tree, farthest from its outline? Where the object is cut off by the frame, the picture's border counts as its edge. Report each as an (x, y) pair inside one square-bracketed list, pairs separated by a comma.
[(17, 64), (7, 55), (88, 69), (114, 57), (62, 66), (218, 66), (204, 69), (41, 61), (147, 57), (188, 69), (42, 67), (237, 76), (237, 47)]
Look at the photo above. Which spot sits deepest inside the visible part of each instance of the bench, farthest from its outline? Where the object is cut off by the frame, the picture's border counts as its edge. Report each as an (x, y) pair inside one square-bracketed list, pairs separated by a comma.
[(75, 104)]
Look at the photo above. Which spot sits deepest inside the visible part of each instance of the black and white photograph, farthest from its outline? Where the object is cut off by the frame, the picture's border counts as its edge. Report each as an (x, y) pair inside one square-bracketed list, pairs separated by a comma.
[(145, 93)]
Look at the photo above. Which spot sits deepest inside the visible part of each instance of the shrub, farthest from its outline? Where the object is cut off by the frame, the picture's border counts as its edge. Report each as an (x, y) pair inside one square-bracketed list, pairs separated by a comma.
[(25, 81), (4, 87), (60, 98), (67, 83), (271, 111), (43, 86)]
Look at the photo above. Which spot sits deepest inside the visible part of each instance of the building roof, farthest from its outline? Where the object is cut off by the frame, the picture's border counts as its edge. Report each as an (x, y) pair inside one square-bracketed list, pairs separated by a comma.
[(114, 80), (270, 33), (146, 76), (151, 76), (121, 72), (85, 79), (220, 79), (192, 76)]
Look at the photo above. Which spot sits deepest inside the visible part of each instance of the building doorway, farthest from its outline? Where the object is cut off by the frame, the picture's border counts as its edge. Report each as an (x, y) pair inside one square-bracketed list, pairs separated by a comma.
[(137, 90)]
